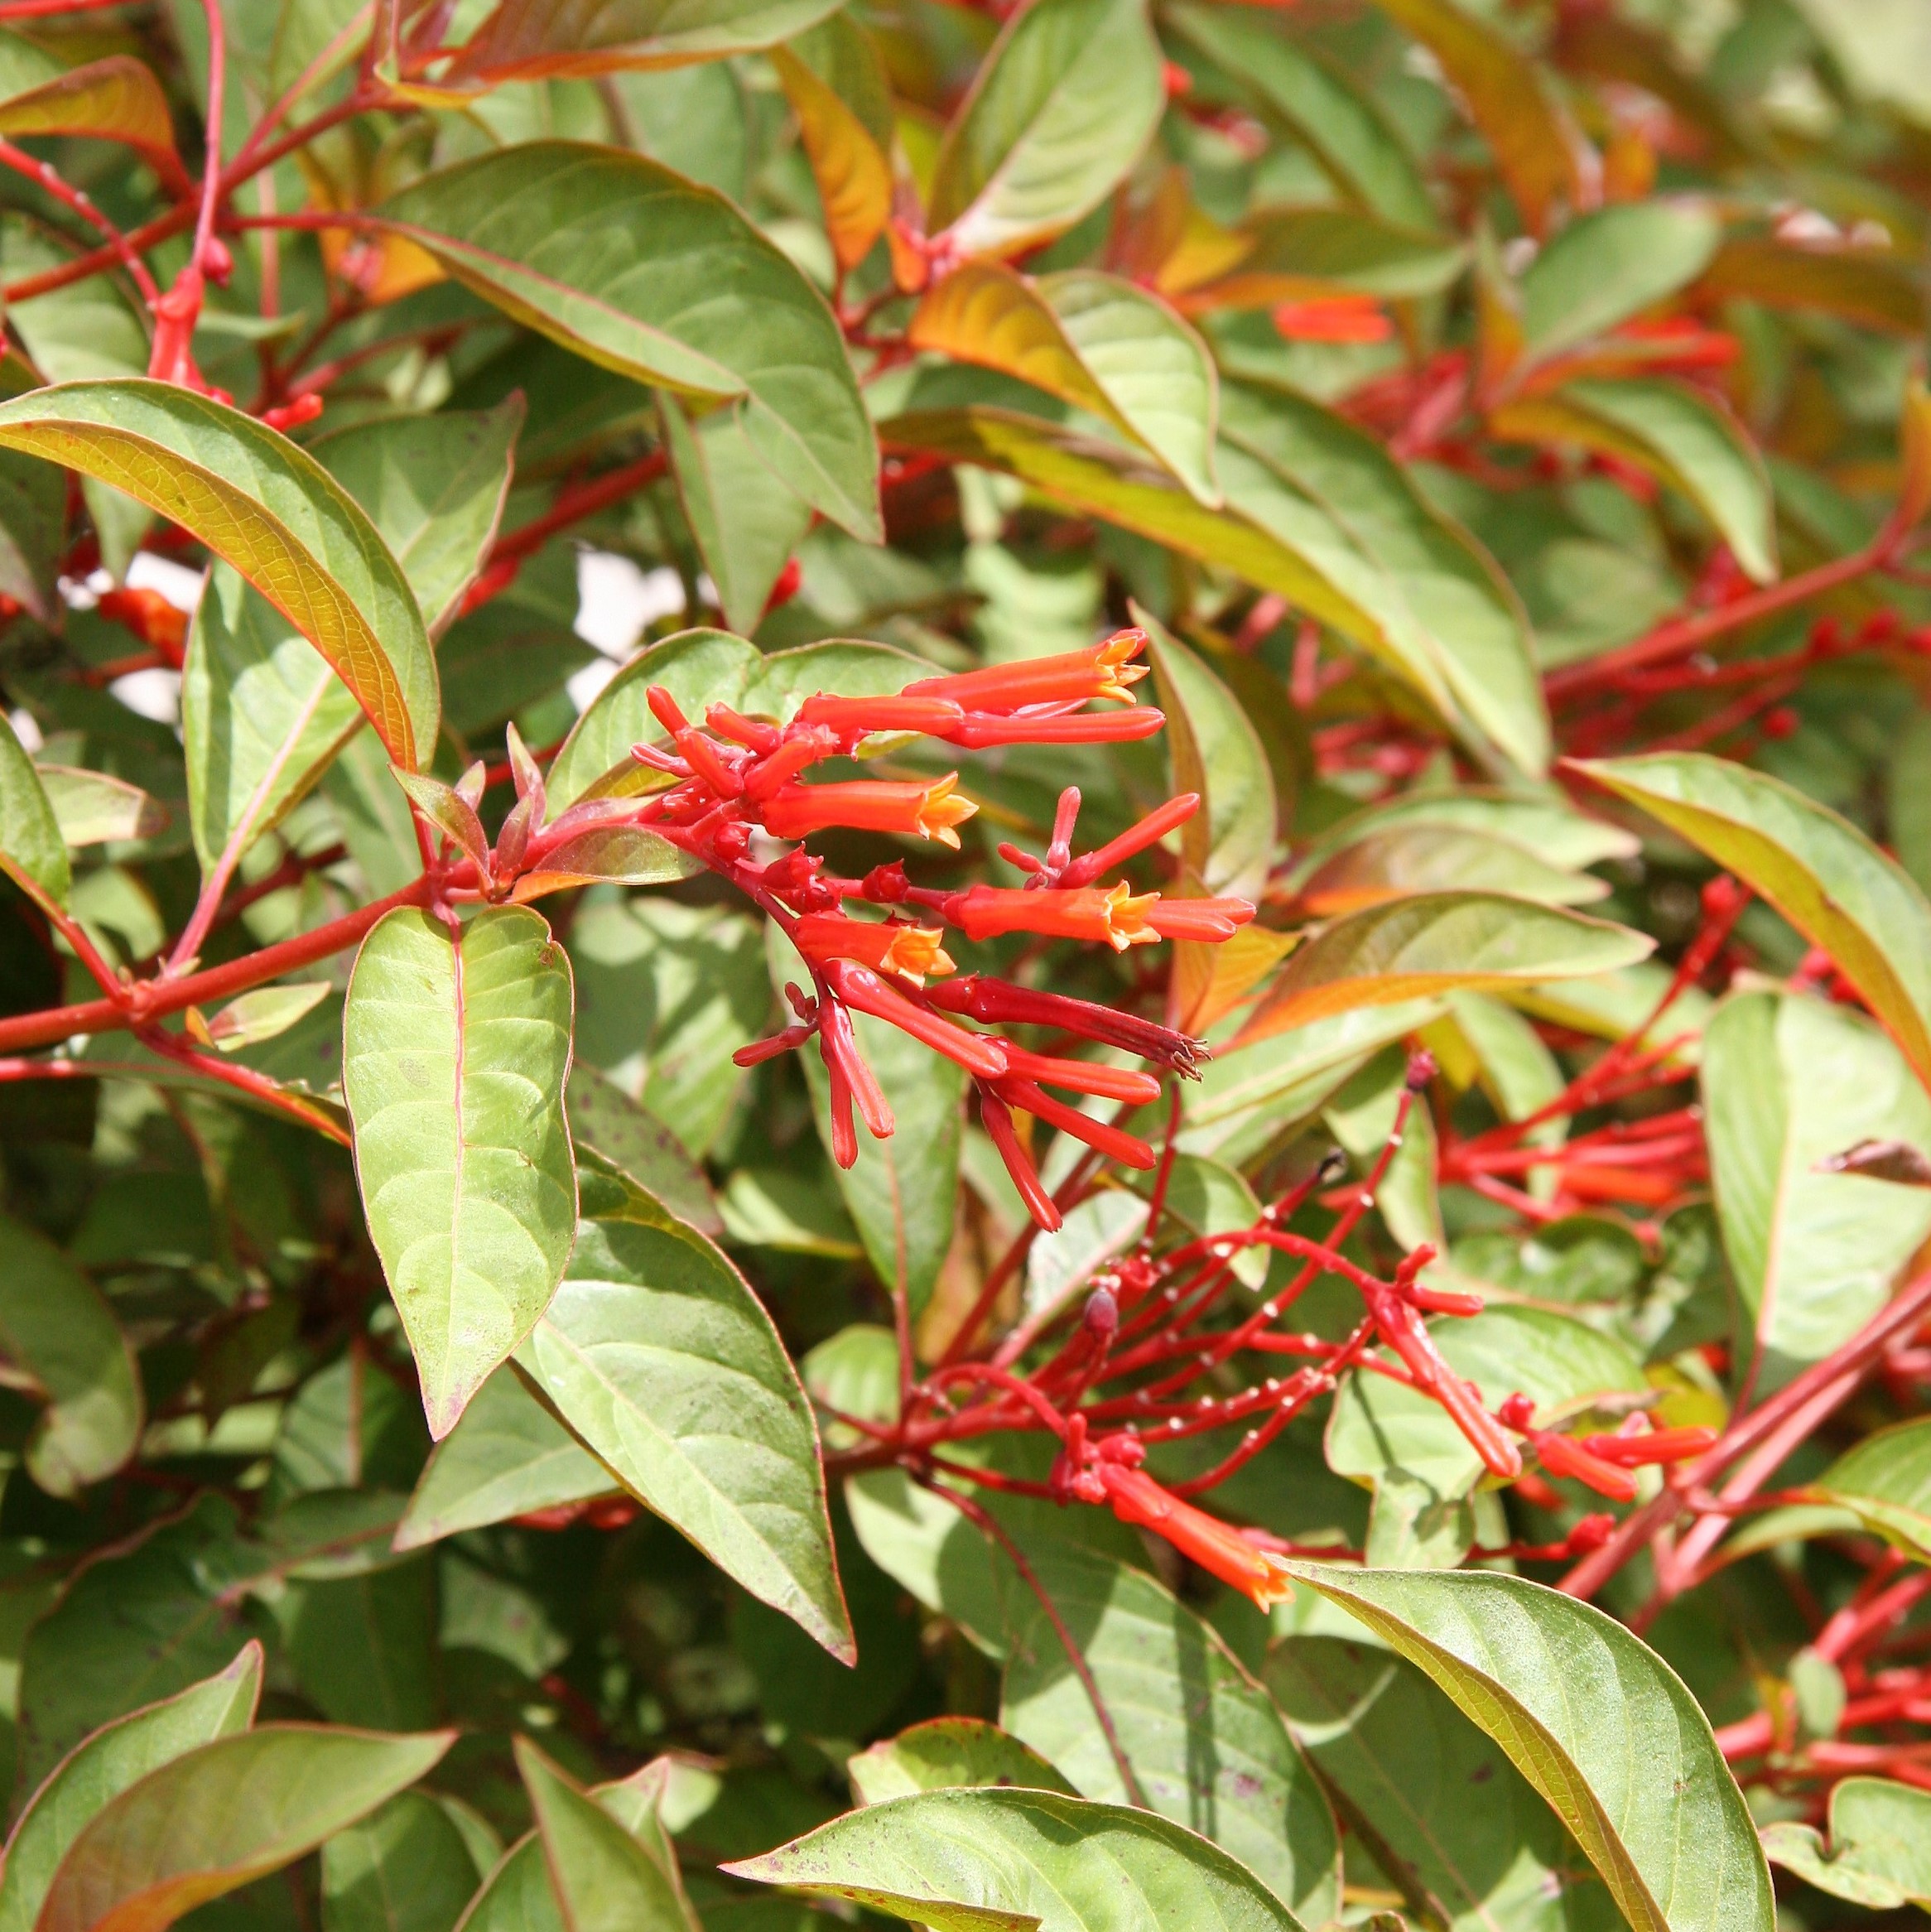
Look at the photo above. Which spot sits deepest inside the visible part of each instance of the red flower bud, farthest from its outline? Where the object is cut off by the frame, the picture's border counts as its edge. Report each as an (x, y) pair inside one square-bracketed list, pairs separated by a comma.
[(927, 810), (1101, 670)]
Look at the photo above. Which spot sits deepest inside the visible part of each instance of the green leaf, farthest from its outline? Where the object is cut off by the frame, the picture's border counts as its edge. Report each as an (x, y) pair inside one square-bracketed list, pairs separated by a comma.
[(1676, 432), (1439, 943), (1296, 253), (93, 809), (835, 81), (1440, 1808), (264, 1014), (527, 40), (1871, 287), (1316, 103), (1550, 827), (944, 1754), (1206, 1743), (1787, 1083), (1609, 265), (270, 510), (1099, 480), (1010, 1861), (1091, 339), (662, 1361), (903, 1191), (658, 279), (221, 1816), (1886, 1481), (506, 1456), (604, 1117), (1597, 1722), (606, 854), (262, 716), (435, 486), (56, 1327), (1411, 857), (454, 1056), (745, 522), (117, 1756), (517, 1897), (1062, 107), (1880, 1854), (698, 668), (1821, 874), (604, 1877), (1379, 1428), (1544, 162), (114, 98), (405, 1868), (1425, 581), (1228, 844), (32, 852)]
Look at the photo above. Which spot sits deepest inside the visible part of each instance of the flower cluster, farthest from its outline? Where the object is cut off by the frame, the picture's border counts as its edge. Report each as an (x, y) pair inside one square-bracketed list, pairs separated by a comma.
[(736, 778)]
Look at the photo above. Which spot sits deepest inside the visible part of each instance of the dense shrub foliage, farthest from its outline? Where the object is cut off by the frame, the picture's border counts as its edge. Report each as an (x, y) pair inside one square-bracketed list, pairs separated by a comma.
[(965, 963)]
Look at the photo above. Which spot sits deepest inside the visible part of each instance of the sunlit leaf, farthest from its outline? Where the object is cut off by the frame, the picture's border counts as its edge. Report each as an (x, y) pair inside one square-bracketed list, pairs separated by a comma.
[(1787, 1083), (837, 88), (32, 850), (92, 808), (506, 1456), (663, 1362), (640, 270), (944, 1754), (220, 1816), (1206, 1745), (1542, 157), (1609, 265), (1062, 109), (1007, 1861), (267, 508), (453, 1062), (527, 40), (1886, 1481), (1435, 942), (1595, 1721), (116, 98), (1879, 1851), (1821, 874)]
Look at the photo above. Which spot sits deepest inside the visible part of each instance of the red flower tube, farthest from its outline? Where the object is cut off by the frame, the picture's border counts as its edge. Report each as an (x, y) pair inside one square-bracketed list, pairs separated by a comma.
[(1116, 1083), (1000, 1003), (858, 987), (926, 811), (1101, 670), (854, 717), (980, 730), (1216, 1546), (1213, 920), (1114, 916), (1103, 1138)]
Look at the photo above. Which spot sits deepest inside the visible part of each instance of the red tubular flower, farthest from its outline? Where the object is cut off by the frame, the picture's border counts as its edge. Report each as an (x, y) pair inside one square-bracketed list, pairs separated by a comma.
[(1101, 670), (1561, 1457), (1117, 1083), (1114, 916), (851, 1080), (860, 988), (778, 767), (926, 811), (1661, 1445), (1135, 839), (1213, 920), (855, 717), (1000, 1003), (913, 950), (1116, 1145), (979, 730), (1216, 1546), (1340, 318), (997, 1118)]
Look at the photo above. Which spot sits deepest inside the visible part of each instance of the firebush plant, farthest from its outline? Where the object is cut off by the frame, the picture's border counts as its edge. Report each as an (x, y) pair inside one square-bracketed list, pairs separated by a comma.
[(1159, 1158)]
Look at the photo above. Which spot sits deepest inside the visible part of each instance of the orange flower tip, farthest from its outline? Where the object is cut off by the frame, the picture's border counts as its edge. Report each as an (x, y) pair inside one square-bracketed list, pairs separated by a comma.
[(1274, 1585), (942, 809)]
